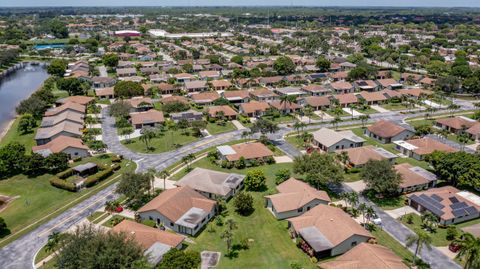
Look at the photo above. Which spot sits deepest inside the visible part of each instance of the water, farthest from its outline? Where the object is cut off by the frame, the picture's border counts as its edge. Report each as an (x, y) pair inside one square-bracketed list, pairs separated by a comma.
[(48, 46), (16, 87)]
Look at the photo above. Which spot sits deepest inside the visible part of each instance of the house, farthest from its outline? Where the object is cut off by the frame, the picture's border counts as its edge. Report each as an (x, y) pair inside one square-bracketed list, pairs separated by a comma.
[(270, 81), (366, 256), (154, 242), (126, 72), (149, 118), (182, 210), (147, 71), (290, 91), (366, 85), (211, 74), (316, 102), (212, 184), (415, 92), (248, 151), (474, 131), (189, 115), (447, 203), (410, 77), (205, 98), (372, 98), (166, 88), (263, 94), (327, 231), (316, 90), (456, 125), (427, 82), (85, 170), (236, 97), (226, 111), (196, 86), (414, 178), (103, 82), (78, 99), (329, 140), (220, 85), (357, 157), (253, 108), (285, 107), (183, 77), (420, 147), (294, 197), (67, 116), (67, 107), (45, 135), (389, 83), (387, 131), (140, 103), (173, 99), (342, 87), (105, 93), (344, 100), (338, 76), (73, 147)]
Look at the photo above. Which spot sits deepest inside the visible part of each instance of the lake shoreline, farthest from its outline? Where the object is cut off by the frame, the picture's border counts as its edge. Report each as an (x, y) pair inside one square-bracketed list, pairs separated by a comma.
[(7, 128)]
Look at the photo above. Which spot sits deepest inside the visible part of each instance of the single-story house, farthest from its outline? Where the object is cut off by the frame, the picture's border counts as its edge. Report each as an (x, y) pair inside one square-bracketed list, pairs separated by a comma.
[(295, 91), (294, 197), (210, 74), (329, 140), (366, 85), (366, 256), (154, 242), (253, 108), (415, 92), (196, 86), (174, 99), (105, 93), (45, 135), (447, 203), (126, 72), (220, 85), (66, 116), (238, 96), (420, 147), (71, 107), (316, 90), (225, 110), (103, 82), (249, 151), (474, 131), (389, 83), (342, 87), (149, 118), (189, 115), (73, 147), (140, 103), (455, 125), (358, 157), (372, 98), (387, 131), (316, 102), (181, 209), (285, 107), (184, 77), (86, 169), (212, 184), (327, 231), (205, 98), (79, 99), (263, 94), (414, 178), (346, 99)]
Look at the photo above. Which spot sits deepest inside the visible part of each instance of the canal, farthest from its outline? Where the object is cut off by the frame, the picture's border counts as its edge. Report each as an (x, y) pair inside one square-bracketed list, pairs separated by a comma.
[(17, 86)]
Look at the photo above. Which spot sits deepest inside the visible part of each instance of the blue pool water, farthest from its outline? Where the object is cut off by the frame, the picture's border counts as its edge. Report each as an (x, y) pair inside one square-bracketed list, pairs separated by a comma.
[(48, 46)]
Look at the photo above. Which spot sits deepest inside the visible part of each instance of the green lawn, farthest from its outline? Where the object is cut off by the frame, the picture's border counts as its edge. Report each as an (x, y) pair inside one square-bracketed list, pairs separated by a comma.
[(36, 198), (270, 247), (14, 136), (438, 237), (214, 128), (295, 141), (331, 112), (394, 106), (281, 119), (367, 111), (168, 141), (387, 203)]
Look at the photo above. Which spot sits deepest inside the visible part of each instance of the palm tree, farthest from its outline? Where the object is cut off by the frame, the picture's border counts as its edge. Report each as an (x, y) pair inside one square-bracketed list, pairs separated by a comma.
[(297, 126), (287, 99), (420, 238), (352, 107), (429, 220), (151, 174), (370, 213), (364, 119), (187, 159), (363, 209), (309, 113), (164, 174), (469, 250), (52, 243), (453, 108), (147, 135), (335, 122), (463, 138), (307, 138)]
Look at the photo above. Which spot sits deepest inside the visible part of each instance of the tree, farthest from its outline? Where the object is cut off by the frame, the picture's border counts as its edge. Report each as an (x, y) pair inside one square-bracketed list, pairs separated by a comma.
[(164, 174), (255, 180), (110, 59), (323, 64), (282, 175), (364, 119), (147, 135), (27, 123), (283, 65), (128, 89), (134, 186), (3, 227), (420, 239), (243, 203), (56, 162), (457, 168), (469, 251), (227, 235), (264, 126), (57, 67), (179, 259), (71, 85), (33, 105), (319, 169), (429, 221), (120, 109), (237, 59), (187, 160), (89, 247), (12, 158), (381, 177), (58, 28), (287, 100)]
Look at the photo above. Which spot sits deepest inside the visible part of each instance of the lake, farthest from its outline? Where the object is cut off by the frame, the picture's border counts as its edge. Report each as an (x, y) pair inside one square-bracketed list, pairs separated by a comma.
[(16, 87)]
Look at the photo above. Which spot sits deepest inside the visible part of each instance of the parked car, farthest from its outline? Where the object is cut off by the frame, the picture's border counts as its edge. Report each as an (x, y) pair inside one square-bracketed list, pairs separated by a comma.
[(454, 247)]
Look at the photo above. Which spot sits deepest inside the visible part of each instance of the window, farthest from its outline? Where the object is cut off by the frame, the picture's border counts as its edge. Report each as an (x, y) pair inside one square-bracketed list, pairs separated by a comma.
[(171, 224), (308, 208), (354, 243), (300, 210)]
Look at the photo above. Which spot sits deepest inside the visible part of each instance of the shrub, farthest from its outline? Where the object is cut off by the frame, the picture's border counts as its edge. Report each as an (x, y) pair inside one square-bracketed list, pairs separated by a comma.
[(65, 174), (282, 175), (243, 203), (94, 179), (150, 223), (62, 184), (255, 180), (77, 159), (270, 160), (117, 158), (452, 232), (226, 164), (240, 164)]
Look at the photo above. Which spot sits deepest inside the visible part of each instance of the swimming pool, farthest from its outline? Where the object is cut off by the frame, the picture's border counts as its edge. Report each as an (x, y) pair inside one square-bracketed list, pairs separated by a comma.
[(48, 46)]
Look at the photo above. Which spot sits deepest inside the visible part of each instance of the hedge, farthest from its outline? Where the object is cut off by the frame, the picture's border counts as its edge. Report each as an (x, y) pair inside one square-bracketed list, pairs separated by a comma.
[(62, 184), (65, 174), (102, 175)]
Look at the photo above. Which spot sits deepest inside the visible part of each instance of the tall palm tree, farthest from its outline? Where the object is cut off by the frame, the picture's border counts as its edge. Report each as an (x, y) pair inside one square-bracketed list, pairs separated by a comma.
[(287, 100), (370, 213), (335, 122), (147, 135), (364, 119), (164, 174), (352, 107), (309, 113), (151, 175), (469, 250), (363, 209), (420, 238)]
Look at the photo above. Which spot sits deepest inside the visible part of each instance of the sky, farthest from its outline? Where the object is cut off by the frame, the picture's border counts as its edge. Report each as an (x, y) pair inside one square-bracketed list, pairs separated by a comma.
[(397, 3)]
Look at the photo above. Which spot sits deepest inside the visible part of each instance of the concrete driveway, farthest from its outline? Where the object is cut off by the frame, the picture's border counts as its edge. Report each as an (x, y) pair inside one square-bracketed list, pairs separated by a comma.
[(379, 109), (398, 212), (283, 159), (357, 186)]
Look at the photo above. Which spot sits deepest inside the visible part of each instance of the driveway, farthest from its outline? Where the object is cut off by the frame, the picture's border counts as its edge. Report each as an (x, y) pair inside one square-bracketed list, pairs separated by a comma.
[(238, 125), (357, 186), (103, 71), (379, 109), (352, 112), (402, 211)]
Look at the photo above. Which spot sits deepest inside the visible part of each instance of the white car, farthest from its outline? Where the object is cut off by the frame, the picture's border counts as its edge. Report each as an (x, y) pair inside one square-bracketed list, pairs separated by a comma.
[(377, 221)]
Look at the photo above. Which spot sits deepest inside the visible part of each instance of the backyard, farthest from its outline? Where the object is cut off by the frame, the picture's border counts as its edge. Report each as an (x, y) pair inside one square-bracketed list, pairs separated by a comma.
[(168, 141), (214, 128)]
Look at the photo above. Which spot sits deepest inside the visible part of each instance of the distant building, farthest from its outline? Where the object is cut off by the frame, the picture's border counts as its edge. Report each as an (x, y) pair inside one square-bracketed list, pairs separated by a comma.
[(329, 140)]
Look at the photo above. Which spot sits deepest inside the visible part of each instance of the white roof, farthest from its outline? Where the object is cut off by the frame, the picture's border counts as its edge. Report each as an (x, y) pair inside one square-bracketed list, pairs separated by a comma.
[(470, 197), (329, 137), (226, 150), (405, 144)]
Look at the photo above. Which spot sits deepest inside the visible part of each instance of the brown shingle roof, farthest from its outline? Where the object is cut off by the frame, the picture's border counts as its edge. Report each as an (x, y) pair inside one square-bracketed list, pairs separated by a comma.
[(254, 106), (174, 203), (136, 101), (205, 97), (345, 99), (147, 117), (341, 85), (227, 111), (385, 129), (263, 92), (294, 194), (372, 96), (456, 122), (428, 145), (83, 100), (221, 83), (104, 91), (317, 101), (60, 143), (409, 177), (174, 99), (67, 106), (361, 155), (286, 105), (147, 236), (241, 94), (249, 151)]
